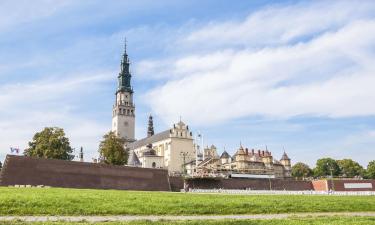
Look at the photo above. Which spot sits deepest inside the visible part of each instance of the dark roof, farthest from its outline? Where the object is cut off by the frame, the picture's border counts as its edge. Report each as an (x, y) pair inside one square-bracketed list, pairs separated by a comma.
[(154, 138), (149, 152), (133, 160), (285, 157), (225, 155)]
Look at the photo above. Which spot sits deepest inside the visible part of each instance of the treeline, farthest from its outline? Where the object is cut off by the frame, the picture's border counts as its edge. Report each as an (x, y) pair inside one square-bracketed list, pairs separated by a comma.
[(52, 143), (328, 167)]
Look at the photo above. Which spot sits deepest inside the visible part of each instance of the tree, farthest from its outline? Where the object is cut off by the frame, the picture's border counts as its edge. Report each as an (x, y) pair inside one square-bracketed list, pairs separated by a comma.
[(350, 168), (1, 165), (325, 166), (112, 150), (50, 143), (301, 170), (370, 172)]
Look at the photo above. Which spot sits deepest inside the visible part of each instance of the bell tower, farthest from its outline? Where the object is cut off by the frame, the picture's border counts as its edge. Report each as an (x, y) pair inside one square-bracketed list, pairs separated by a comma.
[(123, 113)]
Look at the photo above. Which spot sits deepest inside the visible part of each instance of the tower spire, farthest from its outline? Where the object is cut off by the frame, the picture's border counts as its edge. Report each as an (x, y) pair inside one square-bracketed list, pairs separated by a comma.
[(124, 76), (150, 129)]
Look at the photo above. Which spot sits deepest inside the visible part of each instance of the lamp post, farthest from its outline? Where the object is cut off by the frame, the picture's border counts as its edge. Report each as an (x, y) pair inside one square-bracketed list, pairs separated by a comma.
[(184, 155), (330, 167)]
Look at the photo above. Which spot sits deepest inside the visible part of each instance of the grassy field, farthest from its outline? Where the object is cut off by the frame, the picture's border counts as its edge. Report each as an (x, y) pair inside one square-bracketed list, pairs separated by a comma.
[(299, 221), (58, 201)]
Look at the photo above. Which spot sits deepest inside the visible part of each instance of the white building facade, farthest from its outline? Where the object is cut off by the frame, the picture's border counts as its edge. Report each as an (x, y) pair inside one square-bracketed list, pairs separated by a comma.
[(174, 146)]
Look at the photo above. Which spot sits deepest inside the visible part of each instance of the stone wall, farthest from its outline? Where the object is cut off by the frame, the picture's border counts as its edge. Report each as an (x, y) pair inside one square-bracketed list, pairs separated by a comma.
[(254, 184), (352, 185), (177, 183), (20, 170)]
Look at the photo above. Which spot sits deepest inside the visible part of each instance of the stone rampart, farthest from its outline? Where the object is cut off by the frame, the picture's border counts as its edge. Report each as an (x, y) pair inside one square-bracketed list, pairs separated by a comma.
[(21, 170)]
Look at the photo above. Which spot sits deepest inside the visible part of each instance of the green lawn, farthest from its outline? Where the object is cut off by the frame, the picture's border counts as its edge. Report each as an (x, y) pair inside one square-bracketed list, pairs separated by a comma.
[(58, 201), (299, 221)]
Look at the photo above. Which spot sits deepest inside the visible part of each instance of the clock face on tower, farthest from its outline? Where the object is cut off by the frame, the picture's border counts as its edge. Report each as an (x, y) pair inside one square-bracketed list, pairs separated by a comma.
[(126, 123)]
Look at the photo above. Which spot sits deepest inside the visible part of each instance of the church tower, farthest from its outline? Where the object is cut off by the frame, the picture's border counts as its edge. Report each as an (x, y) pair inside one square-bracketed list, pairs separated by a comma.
[(123, 114)]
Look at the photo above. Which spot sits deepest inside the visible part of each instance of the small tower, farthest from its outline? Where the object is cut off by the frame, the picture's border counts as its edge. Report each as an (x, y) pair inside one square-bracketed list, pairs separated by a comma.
[(225, 157), (123, 113), (150, 129), (285, 160), (81, 155)]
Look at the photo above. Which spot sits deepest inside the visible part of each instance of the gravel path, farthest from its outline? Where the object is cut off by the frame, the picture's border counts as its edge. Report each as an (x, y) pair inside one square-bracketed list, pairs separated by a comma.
[(155, 218)]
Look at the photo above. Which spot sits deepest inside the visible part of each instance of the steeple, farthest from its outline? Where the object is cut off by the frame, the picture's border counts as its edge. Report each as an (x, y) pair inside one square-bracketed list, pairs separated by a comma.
[(124, 76), (150, 129), (123, 112)]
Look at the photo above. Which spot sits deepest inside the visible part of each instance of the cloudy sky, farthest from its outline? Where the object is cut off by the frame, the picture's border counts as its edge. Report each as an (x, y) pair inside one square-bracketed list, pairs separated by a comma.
[(298, 75)]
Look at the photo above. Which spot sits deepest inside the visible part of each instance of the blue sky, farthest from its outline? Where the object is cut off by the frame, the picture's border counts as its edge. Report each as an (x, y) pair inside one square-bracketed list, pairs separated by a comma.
[(297, 75)]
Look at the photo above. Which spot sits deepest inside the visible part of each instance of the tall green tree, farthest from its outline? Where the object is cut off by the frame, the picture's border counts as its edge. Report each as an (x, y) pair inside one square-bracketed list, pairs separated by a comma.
[(370, 172), (112, 151), (324, 166), (350, 168), (1, 165), (50, 143), (301, 170)]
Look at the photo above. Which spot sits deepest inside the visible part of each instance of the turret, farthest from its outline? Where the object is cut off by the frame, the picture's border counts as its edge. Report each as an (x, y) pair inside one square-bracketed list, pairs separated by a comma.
[(241, 154), (150, 129), (285, 160), (225, 157)]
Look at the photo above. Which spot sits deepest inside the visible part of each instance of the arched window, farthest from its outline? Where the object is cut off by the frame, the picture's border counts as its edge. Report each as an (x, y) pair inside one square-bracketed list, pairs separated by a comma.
[(153, 164)]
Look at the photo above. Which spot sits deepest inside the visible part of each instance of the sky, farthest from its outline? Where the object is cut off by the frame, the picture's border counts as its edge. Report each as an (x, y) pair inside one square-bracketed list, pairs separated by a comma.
[(293, 75)]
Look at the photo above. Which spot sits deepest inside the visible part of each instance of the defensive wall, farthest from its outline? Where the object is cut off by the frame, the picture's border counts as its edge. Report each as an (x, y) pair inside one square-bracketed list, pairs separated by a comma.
[(344, 185), (246, 183), (21, 170)]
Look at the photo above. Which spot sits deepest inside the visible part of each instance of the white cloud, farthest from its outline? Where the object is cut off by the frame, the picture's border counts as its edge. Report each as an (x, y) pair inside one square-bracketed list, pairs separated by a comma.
[(29, 107), (13, 13), (330, 74), (280, 25)]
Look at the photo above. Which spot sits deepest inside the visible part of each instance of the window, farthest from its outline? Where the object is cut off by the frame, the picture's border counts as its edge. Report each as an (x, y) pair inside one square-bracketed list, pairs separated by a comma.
[(153, 165)]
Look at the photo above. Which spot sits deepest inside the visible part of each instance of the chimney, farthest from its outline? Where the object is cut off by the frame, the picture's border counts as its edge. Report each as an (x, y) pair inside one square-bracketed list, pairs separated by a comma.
[(247, 151), (262, 153)]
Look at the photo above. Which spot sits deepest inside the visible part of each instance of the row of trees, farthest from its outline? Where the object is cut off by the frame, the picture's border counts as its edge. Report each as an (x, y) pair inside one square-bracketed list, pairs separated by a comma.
[(51, 143), (337, 168)]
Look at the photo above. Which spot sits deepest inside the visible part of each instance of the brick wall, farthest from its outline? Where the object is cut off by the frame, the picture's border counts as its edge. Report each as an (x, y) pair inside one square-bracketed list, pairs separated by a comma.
[(20, 170), (339, 185), (320, 185), (254, 184)]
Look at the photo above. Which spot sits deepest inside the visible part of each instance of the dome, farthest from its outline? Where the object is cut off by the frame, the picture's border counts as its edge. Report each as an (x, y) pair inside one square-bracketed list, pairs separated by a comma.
[(149, 151)]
